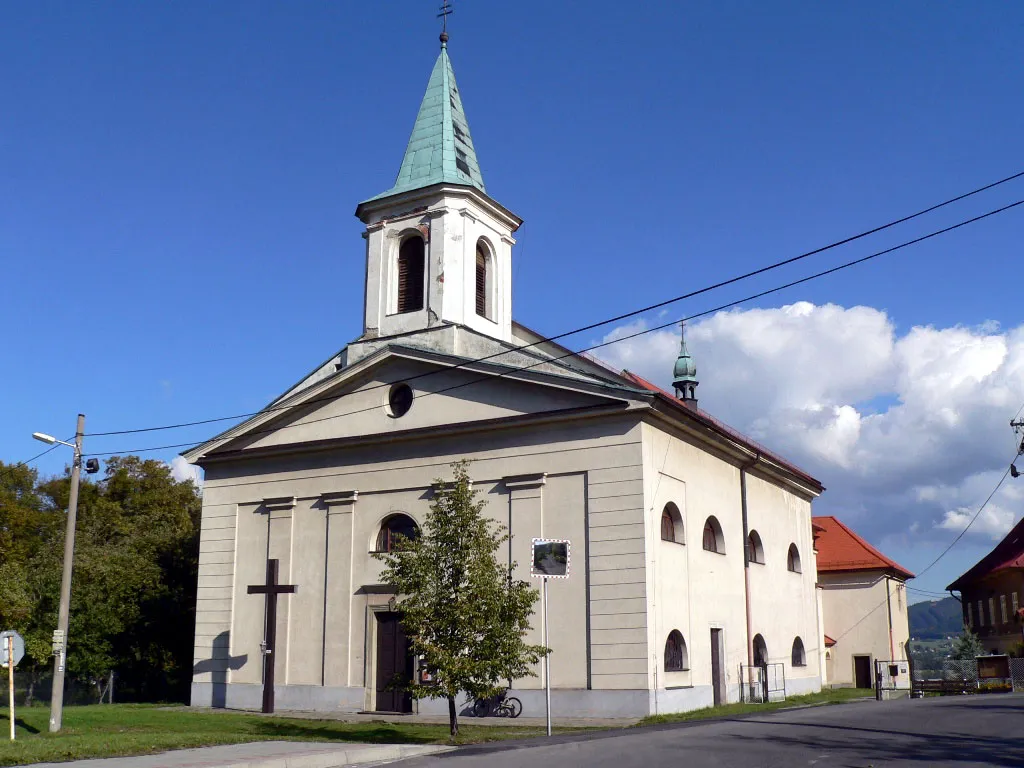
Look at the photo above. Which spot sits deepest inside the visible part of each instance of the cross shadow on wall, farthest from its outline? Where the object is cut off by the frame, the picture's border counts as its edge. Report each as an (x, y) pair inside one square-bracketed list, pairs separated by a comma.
[(217, 665)]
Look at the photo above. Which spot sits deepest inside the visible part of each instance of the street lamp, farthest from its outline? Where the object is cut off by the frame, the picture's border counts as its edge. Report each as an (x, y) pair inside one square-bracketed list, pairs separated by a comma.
[(60, 635)]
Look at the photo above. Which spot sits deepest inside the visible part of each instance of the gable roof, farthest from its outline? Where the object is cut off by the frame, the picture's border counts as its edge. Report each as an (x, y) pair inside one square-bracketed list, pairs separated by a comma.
[(1007, 554), (440, 148), (840, 549), (723, 429)]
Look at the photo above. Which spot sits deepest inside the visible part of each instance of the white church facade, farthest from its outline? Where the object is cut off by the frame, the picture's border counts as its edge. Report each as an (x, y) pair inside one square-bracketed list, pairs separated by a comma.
[(692, 549)]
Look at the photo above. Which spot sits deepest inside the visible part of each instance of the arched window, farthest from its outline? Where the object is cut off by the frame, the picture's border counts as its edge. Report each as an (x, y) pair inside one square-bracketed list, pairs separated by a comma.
[(411, 260), (671, 524), (676, 658), (760, 651), (395, 528), (793, 559), (799, 658), (713, 539), (484, 278), (755, 552)]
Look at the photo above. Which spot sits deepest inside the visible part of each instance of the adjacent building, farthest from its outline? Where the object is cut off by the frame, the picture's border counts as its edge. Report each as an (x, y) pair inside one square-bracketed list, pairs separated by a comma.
[(864, 605), (990, 594), (692, 549)]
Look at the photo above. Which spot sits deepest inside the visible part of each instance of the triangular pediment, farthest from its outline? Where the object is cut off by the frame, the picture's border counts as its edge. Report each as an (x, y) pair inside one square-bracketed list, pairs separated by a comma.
[(447, 392)]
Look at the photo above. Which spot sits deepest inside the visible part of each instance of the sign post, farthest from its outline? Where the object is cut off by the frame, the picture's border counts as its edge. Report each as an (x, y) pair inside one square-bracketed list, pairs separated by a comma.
[(550, 559), (12, 648)]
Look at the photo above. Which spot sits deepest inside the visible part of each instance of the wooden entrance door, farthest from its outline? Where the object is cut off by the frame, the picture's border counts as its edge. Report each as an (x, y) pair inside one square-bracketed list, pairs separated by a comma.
[(717, 681), (393, 660), (862, 671)]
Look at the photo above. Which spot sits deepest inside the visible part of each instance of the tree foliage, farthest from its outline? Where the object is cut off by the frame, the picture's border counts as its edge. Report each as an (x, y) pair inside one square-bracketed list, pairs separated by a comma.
[(968, 645), (465, 615), (134, 576)]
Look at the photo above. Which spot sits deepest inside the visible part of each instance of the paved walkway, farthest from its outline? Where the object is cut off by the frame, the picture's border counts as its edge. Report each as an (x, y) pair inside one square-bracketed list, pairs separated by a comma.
[(384, 717), (263, 754)]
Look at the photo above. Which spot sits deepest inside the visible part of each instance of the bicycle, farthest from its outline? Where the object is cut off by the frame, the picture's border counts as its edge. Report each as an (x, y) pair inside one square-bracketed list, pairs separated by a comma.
[(499, 705)]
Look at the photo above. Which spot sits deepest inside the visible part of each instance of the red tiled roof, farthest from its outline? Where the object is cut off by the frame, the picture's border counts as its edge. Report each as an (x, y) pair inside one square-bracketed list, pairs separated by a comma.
[(1008, 553), (840, 549), (829, 642), (719, 426)]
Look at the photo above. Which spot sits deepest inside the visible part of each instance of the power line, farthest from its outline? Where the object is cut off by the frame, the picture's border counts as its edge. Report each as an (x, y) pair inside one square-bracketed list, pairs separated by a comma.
[(608, 321), (26, 462), (941, 554), (617, 340)]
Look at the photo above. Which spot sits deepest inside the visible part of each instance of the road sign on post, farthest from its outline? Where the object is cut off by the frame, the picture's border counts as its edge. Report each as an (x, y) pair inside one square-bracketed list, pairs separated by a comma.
[(12, 648), (548, 560), (11, 645)]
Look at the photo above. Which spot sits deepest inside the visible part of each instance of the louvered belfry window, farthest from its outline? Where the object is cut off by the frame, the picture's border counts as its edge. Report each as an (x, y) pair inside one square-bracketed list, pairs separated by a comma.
[(481, 280), (410, 275)]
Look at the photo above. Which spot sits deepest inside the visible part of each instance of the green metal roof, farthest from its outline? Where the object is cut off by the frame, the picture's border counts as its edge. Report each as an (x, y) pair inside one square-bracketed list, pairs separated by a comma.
[(685, 370), (440, 148)]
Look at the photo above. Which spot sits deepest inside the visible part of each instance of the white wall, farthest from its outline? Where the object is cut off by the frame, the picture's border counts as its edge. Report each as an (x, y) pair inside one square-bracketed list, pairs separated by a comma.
[(693, 590), (856, 616)]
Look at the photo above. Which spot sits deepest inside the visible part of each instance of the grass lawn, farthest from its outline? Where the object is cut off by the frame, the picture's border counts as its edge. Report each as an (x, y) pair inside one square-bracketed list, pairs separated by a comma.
[(136, 729), (832, 696)]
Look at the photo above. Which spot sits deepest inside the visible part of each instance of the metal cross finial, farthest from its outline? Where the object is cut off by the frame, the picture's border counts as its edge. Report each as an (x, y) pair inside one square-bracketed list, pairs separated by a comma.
[(446, 10)]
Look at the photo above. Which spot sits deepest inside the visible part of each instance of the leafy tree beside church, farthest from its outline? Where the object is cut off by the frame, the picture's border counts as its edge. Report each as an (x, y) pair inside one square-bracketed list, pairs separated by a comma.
[(465, 615)]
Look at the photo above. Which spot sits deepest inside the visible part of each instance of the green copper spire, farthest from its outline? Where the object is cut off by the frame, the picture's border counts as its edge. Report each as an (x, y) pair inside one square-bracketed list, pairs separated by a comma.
[(684, 374), (440, 148)]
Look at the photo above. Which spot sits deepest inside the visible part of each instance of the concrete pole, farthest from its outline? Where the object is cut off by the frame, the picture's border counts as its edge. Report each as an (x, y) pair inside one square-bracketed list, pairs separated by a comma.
[(57, 695)]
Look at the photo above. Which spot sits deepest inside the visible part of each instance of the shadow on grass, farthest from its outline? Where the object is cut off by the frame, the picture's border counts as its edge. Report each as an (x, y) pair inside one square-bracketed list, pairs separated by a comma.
[(378, 734), (19, 723)]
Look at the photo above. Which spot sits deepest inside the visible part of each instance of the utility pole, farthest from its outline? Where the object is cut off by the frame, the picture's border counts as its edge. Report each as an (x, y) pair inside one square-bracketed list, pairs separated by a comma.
[(60, 637)]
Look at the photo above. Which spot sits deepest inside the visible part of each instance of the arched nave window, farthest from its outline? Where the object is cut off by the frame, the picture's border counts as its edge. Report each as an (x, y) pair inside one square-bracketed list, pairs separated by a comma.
[(793, 559), (760, 651), (799, 658), (411, 262), (671, 524), (755, 551), (394, 527), (713, 539), (676, 658)]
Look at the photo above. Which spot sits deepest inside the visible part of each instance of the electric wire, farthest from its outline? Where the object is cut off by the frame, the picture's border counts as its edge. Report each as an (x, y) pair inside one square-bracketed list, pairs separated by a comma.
[(617, 318), (26, 462), (546, 361), (942, 554)]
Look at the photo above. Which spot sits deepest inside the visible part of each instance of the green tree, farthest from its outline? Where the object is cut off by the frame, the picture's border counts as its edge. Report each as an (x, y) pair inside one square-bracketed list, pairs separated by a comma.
[(465, 615), (133, 585), (967, 646)]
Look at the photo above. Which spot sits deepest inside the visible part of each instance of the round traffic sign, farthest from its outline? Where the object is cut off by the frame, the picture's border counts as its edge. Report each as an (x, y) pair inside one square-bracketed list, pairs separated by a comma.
[(19, 647)]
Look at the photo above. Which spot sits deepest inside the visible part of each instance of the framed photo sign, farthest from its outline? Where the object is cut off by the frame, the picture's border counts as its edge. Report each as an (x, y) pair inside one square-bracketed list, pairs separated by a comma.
[(550, 557)]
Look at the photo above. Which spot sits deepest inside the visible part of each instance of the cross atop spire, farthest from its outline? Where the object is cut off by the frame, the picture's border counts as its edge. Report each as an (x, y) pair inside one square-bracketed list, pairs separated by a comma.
[(446, 11)]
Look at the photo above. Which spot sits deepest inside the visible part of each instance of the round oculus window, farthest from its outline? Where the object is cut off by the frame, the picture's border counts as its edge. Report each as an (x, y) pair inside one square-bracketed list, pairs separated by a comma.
[(400, 400)]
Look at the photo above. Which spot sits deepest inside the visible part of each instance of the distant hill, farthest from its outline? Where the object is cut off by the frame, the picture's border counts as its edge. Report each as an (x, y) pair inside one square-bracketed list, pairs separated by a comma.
[(936, 619)]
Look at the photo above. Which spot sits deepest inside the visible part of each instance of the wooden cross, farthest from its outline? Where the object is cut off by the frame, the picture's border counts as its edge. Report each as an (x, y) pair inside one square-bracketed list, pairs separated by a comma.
[(271, 589)]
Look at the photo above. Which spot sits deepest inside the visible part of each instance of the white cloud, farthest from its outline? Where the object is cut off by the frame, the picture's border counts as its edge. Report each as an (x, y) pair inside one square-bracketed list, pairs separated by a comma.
[(904, 429), (181, 470)]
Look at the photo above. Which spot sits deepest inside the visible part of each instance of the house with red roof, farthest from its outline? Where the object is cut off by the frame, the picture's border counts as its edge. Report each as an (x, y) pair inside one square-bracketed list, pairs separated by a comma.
[(990, 594), (863, 604)]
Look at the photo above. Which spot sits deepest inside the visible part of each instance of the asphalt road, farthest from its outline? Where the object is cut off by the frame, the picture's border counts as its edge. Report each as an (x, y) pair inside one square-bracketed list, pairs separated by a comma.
[(958, 731)]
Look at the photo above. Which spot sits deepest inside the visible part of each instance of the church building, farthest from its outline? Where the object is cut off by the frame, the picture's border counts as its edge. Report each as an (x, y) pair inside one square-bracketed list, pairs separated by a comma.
[(692, 557)]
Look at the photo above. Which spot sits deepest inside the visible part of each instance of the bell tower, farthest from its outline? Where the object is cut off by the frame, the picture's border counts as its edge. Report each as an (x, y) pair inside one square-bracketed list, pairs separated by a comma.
[(438, 247)]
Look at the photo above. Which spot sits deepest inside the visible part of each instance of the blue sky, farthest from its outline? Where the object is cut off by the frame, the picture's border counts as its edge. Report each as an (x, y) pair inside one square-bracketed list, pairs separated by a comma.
[(179, 181)]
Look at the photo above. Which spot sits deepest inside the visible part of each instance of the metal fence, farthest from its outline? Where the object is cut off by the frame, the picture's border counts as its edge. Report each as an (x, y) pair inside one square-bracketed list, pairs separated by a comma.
[(760, 684), (962, 676)]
